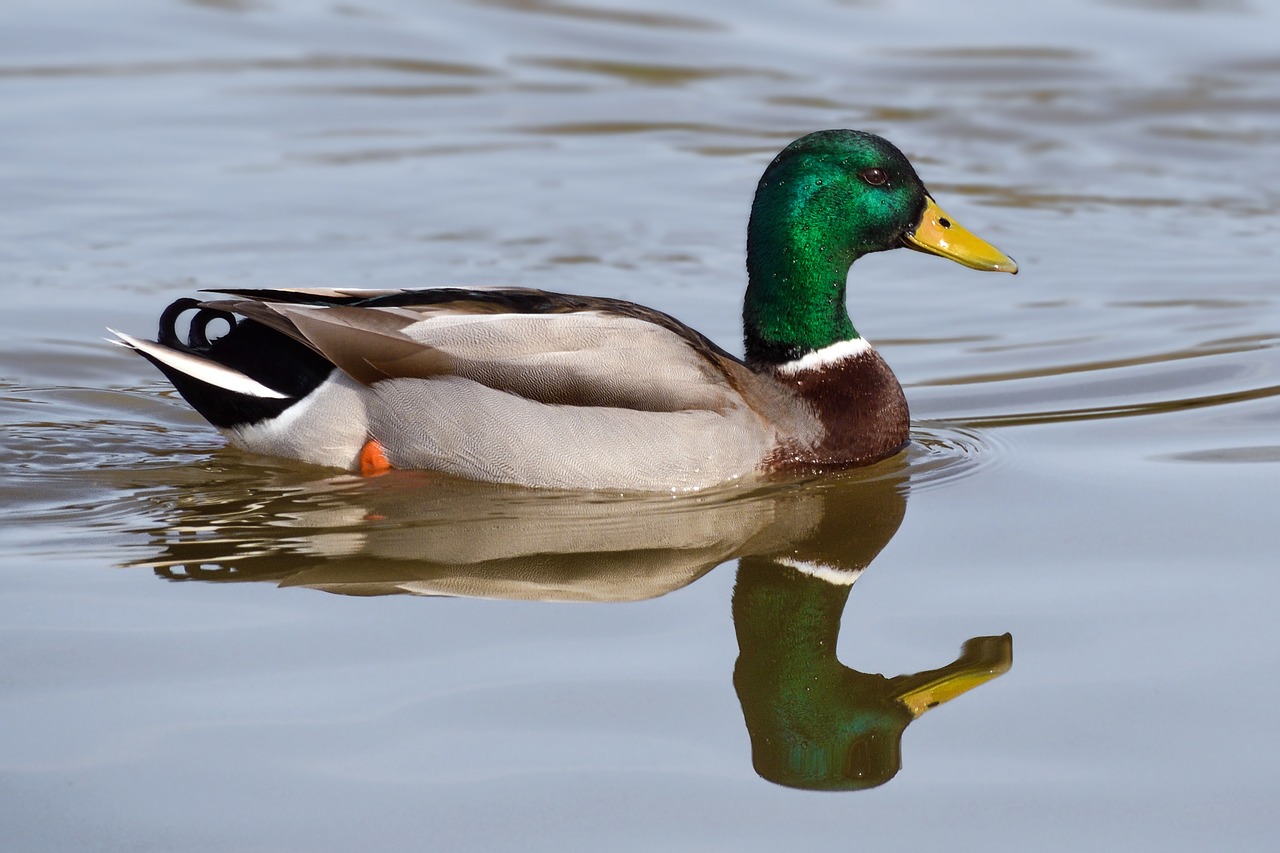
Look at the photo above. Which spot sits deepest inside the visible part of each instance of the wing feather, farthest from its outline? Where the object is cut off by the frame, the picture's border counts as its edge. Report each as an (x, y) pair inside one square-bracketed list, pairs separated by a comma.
[(542, 346)]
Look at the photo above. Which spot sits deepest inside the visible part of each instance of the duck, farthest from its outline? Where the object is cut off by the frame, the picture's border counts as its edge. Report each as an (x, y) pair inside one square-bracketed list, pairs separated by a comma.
[(544, 389)]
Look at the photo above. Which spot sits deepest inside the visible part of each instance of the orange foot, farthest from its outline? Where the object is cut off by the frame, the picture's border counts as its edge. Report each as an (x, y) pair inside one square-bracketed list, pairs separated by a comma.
[(373, 459)]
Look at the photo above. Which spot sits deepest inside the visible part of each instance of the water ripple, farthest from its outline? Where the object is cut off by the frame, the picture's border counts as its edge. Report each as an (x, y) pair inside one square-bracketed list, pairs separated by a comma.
[(943, 452)]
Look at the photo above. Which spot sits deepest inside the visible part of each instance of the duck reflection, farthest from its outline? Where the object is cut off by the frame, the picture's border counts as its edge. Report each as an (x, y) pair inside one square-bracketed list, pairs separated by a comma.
[(813, 722), (420, 533)]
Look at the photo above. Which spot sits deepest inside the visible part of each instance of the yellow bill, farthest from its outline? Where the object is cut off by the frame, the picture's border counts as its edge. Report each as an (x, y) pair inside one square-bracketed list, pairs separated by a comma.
[(981, 659), (939, 234)]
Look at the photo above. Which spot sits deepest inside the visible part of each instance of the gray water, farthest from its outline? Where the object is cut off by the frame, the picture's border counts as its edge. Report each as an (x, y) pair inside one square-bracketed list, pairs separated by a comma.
[(205, 650)]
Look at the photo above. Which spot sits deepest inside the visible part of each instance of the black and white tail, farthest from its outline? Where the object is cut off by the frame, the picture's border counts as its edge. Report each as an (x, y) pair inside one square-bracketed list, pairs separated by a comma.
[(250, 374)]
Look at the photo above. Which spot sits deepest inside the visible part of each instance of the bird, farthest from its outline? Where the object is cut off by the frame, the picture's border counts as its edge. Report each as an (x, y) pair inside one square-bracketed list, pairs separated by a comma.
[(552, 390)]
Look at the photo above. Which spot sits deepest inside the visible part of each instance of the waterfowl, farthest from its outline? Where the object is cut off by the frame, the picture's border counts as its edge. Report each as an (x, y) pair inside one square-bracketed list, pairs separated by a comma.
[(545, 389)]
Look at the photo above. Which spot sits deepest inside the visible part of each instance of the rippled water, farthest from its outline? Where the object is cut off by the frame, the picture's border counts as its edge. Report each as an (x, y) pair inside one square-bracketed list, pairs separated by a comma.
[(1094, 472)]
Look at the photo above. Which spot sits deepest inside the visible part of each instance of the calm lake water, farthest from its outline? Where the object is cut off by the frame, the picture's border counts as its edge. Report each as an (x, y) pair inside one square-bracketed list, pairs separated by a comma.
[(204, 650)]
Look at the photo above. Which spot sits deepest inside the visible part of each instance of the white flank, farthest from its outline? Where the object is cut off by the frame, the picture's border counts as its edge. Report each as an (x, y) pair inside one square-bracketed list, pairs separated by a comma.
[(200, 368), (826, 356), (326, 427), (830, 574), (280, 427)]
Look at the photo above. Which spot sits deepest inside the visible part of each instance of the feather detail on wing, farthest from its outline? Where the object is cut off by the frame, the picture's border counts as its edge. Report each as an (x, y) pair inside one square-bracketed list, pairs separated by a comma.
[(544, 347)]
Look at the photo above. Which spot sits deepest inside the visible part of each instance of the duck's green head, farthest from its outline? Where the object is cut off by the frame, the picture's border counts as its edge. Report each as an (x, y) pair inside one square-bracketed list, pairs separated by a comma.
[(828, 199)]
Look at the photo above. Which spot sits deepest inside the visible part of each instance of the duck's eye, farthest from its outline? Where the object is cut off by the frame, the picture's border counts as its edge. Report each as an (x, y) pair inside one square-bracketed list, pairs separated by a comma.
[(874, 177)]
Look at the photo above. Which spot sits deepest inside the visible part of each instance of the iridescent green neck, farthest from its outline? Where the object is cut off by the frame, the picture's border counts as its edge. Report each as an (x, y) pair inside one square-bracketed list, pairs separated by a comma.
[(801, 241), (795, 302), (828, 199)]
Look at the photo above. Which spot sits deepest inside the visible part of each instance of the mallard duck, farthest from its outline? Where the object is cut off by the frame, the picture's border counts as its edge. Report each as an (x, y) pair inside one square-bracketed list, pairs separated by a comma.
[(546, 389)]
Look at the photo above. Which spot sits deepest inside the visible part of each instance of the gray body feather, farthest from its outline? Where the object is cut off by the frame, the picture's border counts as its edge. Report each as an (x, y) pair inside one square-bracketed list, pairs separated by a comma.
[(581, 399)]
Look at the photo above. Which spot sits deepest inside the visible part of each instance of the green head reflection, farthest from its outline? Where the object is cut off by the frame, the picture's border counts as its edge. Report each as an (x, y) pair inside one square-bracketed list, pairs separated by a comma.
[(815, 723)]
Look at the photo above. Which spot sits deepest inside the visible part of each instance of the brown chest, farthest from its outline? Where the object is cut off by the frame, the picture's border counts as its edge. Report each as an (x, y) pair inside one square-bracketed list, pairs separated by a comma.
[(861, 409)]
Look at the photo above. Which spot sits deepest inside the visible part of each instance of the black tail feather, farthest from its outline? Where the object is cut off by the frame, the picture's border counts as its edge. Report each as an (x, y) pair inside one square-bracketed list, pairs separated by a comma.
[(261, 353)]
